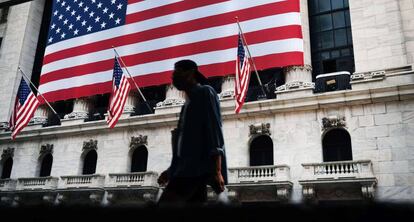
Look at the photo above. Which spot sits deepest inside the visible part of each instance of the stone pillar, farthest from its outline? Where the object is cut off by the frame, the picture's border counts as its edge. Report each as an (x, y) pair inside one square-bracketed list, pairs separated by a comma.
[(298, 79), (378, 33), (407, 12), (81, 109), (40, 117), (130, 104), (18, 49), (173, 99), (228, 86)]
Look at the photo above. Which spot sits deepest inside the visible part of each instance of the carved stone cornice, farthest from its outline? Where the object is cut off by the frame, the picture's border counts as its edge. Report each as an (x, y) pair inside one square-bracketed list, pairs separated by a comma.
[(370, 75), (8, 152), (333, 122), (171, 102), (46, 149), (4, 125), (307, 68), (76, 115), (261, 128), (295, 85), (89, 145), (138, 141)]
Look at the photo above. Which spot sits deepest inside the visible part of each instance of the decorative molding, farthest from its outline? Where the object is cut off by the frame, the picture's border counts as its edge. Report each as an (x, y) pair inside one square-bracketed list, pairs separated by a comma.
[(96, 197), (46, 149), (4, 125), (295, 85), (8, 152), (38, 120), (333, 122), (227, 94), (261, 128), (308, 193), (170, 102), (76, 115), (138, 141), (370, 75), (89, 145), (283, 193), (368, 191), (306, 68)]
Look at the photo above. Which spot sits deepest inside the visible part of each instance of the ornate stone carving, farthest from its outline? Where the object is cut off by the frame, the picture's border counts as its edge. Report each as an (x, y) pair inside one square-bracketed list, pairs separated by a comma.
[(283, 193), (81, 107), (89, 145), (295, 85), (46, 149), (95, 197), (261, 128), (138, 141), (333, 121), (371, 75), (227, 87), (76, 115), (308, 192), (171, 102), (4, 125), (368, 191), (306, 68), (8, 152)]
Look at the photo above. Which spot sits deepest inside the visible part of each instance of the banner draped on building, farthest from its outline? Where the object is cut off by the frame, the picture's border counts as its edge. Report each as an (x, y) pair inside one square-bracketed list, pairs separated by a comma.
[(152, 35)]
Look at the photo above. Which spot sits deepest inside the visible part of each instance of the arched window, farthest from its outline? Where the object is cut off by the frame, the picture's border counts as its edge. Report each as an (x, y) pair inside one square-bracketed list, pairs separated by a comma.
[(139, 159), (261, 151), (46, 165), (89, 162), (7, 168), (337, 146)]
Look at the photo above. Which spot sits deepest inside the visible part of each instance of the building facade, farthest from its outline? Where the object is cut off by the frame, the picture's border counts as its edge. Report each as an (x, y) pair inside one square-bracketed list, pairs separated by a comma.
[(299, 145)]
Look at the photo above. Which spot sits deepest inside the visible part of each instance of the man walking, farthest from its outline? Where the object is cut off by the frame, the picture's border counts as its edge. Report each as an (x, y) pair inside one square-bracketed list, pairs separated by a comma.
[(198, 146)]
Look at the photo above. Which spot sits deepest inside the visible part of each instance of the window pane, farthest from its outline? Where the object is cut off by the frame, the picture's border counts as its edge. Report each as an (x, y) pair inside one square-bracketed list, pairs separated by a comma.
[(347, 18), (345, 52), (325, 22), (324, 5), (335, 54), (337, 4), (325, 55), (349, 34), (314, 24), (339, 19), (340, 37), (327, 40), (313, 6), (346, 3)]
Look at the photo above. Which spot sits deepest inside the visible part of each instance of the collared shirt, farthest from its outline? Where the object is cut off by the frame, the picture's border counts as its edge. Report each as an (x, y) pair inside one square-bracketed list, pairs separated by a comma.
[(199, 135)]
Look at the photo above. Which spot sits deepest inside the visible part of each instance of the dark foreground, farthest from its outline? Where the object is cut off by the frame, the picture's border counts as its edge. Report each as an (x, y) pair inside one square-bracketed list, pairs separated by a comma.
[(254, 212)]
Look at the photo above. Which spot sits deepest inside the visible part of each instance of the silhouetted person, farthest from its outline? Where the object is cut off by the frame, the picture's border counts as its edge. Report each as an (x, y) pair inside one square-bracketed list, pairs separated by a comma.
[(197, 142)]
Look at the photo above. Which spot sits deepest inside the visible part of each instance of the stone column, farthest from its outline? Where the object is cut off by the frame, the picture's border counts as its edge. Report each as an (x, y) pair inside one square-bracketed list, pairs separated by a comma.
[(81, 108), (173, 99), (18, 49), (40, 117), (227, 87), (130, 104), (298, 79)]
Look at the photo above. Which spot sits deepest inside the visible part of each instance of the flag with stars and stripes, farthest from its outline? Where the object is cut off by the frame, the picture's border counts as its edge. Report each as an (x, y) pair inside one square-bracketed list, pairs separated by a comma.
[(151, 35), (242, 74), (120, 90), (25, 106)]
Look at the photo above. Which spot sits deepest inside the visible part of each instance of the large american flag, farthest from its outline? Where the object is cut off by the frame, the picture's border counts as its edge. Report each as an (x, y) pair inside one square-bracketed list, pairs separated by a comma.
[(25, 106), (151, 35), (120, 90), (242, 74)]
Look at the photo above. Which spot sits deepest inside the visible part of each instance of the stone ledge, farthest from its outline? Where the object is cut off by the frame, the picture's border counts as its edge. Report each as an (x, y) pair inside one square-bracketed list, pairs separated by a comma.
[(309, 102)]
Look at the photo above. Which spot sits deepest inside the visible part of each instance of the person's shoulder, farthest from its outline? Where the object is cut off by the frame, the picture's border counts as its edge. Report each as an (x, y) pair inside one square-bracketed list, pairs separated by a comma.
[(208, 89)]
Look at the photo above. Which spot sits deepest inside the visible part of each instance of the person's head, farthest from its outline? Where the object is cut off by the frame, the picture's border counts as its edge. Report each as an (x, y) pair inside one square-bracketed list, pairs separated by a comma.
[(186, 74)]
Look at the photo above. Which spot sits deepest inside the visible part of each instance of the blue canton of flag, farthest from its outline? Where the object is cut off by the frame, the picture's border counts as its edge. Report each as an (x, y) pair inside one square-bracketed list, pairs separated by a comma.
[(73, 18), (23, 93), (117, 74), (240, 52)]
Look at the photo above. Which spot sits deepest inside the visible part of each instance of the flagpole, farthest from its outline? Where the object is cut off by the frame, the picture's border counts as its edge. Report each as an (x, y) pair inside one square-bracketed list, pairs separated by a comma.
[(250, 56), (136, 85), (27, 78)]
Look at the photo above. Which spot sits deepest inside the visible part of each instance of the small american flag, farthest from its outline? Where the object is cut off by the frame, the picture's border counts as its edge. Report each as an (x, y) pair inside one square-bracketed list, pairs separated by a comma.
[(151, 35), (120, 90), (24, 108), (242, 75)]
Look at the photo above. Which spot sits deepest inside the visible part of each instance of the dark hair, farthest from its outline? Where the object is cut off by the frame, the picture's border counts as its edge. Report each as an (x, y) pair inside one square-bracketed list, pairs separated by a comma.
[(186, 65)]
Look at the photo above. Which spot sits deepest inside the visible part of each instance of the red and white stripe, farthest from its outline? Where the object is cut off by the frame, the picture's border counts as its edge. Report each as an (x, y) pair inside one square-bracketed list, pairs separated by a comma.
[(158, 33), (117, 101), (242, 81), (23, 113)]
